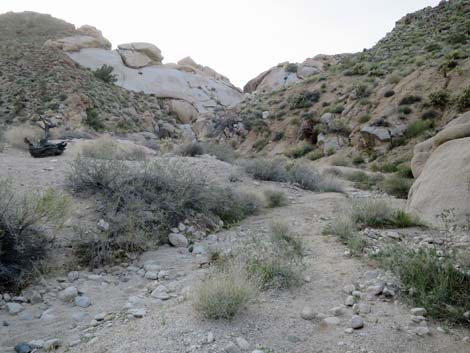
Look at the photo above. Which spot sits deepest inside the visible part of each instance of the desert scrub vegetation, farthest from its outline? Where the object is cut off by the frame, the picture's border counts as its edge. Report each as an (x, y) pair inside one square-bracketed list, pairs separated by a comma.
[(220, 151), (304, 99), (142, 201), (275, 198), (23, 243), (363, 180), (107, 148), (15, 136), (104, 73), (397, 185), (463, 100), (300, 151), (296, 173), (224, 293), (439, 284), (275, 263), (378, 213)]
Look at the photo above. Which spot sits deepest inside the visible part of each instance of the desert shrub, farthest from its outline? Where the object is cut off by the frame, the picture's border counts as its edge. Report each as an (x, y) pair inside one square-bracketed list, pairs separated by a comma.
[(363, 180), (22, 241), (223, 294), (397, 186), (291, 68), (337, 108), (104, 73), (220, 151), (430, 115), (440, 99), (389, 93), (2, 140), (93, 120), (341, 161), (191, 149), (303, 99), (404, 171), (378, 213), (431, 282), (393, 79), (300, 151), (358, 160), (148, 199), (260, 144), (346, 231), (276, 263), (364, 118), (463, 101), (362, 90), (107, 148), (408, 100), (267, 169), (405, 110), (314, 155), (418, 127), (15, 136), (275, 198), (309, 179)]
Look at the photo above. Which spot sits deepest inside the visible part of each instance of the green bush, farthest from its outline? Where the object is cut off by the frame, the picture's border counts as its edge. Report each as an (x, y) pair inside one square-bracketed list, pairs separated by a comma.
[(299, 152), (260, 144), (408, 100), (389, 93), (291, 68), (378, 213), (463, 100), (430, 115), (397, 186), (440, 99), (418, 127), (275, 198), (107, 148), (267, 169), (104, 73), (191, 149), (431, 282), (303, 99), (93, 120), (22, 240)]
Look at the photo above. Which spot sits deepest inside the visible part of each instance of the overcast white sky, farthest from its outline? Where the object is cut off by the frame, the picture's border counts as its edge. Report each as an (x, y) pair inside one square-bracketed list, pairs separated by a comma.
[(238, 38)]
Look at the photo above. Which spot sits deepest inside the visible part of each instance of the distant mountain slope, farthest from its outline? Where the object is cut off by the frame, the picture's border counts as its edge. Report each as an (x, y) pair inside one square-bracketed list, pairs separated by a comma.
[(381, 101)]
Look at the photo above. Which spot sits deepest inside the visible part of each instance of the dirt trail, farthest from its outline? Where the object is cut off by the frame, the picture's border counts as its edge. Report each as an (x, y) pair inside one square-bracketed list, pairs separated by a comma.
[(272, 323)]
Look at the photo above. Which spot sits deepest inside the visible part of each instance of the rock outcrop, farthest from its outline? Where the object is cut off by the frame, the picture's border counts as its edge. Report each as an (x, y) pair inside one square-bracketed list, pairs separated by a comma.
[(191, 89), (88, 37), (442, 167), (288, 73), (138, 55)]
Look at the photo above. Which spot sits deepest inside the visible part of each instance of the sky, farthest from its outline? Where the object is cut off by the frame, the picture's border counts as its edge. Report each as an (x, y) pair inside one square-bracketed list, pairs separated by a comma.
[(238, 38)]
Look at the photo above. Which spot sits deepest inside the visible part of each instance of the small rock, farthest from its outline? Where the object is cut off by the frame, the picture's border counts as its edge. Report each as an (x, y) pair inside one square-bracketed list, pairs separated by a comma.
[(349, 288), (160, 293), (6, 297), (210, 337), (137, 313), (23, 348), (51, 344), (349, 301), (349, 330), (242, 343), (152, 267), (331, 321), (418, 311), (103, 225), (357, 322), (231, 348), (178, 240), (418, 319), (467, 315), (336, 311), (307, 313), (466, 339), (422, 331), (73, 276), (33, 297), (364, 308), (151, 275), (82, 301), (100, 316), (68, 294), (199, 250), (14, 308)]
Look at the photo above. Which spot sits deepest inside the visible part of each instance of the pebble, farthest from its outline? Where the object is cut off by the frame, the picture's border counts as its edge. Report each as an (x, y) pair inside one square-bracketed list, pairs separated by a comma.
[(242, 343), (23, 348), (307, 313), (103, 225), (137, 313), (151, 275), (73, 276), (349, 288), (349, 301), (231, 348), (336, 311), (68, 294), (152, 267), (418, 311), (357, 322), (210, 337), (364, 308), (178, 240), (82, 301), (332, 321), (14, 308), (422, 331)]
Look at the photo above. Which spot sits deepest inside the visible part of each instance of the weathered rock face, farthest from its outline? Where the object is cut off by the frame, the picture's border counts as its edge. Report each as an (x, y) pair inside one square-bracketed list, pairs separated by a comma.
[(89, 37), (286, 74), (443, 185), (137, 55), (458, 128), (191, 89)]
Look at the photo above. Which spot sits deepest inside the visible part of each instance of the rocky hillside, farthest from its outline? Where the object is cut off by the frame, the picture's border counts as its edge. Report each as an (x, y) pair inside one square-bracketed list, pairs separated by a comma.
[(387, 98), (48, 67)]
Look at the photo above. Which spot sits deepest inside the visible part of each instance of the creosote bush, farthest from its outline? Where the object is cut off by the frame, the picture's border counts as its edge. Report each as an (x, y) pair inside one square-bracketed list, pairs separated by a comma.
[(378, 213), (108, 149), (431, 282), (15, 136), (397, 186), (275, 198), (104, 73), (22, 241)]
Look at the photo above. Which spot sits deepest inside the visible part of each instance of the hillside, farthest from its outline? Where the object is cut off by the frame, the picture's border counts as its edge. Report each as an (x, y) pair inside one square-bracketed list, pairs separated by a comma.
[(384, 99)]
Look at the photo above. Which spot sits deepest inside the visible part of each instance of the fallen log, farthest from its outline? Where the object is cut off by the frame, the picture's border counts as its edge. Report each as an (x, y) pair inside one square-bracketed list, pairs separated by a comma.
[(46, 149)]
